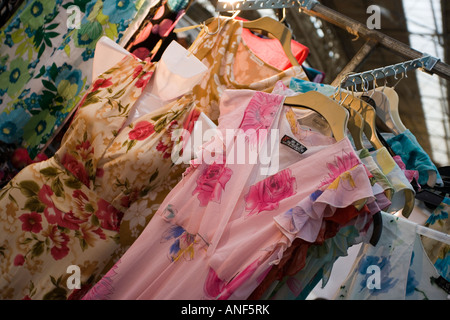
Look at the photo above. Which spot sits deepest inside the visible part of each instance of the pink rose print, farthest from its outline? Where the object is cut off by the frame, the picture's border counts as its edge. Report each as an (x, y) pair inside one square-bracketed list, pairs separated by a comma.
[(219, 289), (211, 183), (76, 168), (109, 217), (31, 222), (141, 131), (19, 260), (339, 166), (58, 242), (267, 194), (259, 115)]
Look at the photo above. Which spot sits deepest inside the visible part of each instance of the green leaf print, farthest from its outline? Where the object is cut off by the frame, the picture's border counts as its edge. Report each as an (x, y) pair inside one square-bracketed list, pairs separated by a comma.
[(29, 188)]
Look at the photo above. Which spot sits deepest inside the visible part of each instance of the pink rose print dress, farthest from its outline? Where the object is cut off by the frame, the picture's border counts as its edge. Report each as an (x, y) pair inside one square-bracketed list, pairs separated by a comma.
[(221, 229)]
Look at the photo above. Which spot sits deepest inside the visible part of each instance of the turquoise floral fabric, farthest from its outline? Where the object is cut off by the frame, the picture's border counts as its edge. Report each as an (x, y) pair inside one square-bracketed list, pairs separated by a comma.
[(46, 56)]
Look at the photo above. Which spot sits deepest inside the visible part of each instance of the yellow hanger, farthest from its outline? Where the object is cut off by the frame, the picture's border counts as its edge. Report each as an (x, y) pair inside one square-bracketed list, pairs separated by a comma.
[(336, 115)]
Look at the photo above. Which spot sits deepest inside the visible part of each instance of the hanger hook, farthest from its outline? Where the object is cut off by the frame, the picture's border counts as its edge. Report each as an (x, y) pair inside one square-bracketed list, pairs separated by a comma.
[(403, 76), (385, 79)]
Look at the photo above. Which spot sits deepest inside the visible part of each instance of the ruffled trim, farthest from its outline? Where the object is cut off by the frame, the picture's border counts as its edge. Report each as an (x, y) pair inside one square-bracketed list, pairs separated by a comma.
[(304, 220)]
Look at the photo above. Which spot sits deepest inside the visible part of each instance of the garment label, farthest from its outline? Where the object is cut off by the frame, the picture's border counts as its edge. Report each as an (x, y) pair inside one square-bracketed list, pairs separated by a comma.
[(442, 283), (293, 144)]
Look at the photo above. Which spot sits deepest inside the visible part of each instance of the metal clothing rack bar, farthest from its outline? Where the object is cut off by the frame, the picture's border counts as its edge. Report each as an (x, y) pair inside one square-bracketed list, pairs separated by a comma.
[(426, 63), (263, 4), (316, 9)]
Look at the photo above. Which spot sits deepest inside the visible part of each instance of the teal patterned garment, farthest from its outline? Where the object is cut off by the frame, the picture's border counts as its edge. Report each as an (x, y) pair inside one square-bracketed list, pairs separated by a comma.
[(46, 54)]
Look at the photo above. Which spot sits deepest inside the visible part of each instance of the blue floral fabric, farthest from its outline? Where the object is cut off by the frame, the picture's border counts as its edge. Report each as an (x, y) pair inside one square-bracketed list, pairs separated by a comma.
[(397, 268), (46, 52)]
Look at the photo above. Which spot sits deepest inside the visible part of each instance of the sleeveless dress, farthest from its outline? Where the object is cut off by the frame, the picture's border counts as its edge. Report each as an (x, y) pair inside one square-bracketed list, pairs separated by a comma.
[(86, 205), (220, 230)]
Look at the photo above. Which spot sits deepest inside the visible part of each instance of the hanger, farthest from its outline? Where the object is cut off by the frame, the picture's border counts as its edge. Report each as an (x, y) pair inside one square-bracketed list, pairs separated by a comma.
[(388, 107), (276, 29), (271, 26), (369, 116), (336, 115), (355, 124)]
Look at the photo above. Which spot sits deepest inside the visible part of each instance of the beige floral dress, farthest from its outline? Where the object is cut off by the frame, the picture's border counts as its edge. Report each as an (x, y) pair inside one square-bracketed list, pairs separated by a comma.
[(85, 206)]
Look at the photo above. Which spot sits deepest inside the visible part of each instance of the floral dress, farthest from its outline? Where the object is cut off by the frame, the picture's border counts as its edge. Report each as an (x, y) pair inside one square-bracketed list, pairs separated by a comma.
[(220, 230), (397, 268), (46, 54), (86, 205)]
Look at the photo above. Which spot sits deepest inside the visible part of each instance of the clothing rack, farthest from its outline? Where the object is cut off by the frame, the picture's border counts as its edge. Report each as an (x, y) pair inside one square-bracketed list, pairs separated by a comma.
[(425, 63), (373, 38)]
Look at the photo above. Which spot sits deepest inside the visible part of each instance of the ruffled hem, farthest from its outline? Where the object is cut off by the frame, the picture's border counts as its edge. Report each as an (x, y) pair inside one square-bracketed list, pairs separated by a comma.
[(304, 220)]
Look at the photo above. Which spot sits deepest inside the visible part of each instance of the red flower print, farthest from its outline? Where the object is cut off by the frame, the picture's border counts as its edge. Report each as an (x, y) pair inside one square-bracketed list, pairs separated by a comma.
[(83, 205), (76, 168), (58, 242), (137, 71), (141, 131), (211, 183), (90, 234), (52, 213), (85, 149), (31, 222), (101, 83), (109, 217), (19, 260), (219, 289), (190, 120), (143, 80), (27, 297), (70, 221), (267, 194)]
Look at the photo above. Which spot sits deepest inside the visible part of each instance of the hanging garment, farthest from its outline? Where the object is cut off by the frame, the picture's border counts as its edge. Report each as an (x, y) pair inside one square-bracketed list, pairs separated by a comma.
[(438, 252), (130, 171), (51, 216), (218, 53), (408, 148), (404, 193), (270, 50), (221, 228), (46, 62), (397, 268), (155, 33), (319, 257)]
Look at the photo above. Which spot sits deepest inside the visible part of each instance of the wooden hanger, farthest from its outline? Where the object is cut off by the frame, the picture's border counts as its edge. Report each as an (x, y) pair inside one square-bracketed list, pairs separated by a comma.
[(336, 115), (356, 127), (276, 29), (369, 116), (270, 26)]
